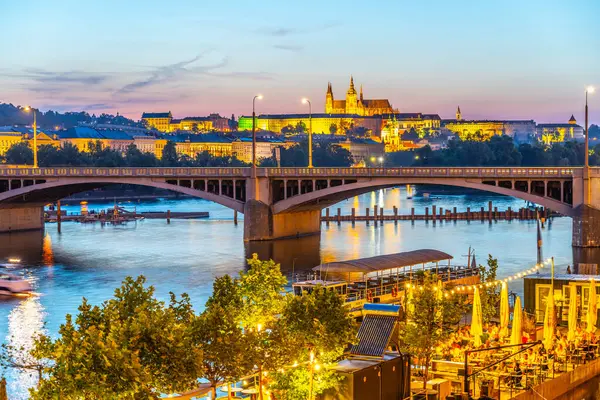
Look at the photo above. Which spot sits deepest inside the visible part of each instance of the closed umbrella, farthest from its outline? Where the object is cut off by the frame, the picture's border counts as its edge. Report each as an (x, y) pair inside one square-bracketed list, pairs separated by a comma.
[(516, 335), (592, 314), (572, 313), (3, 394), (476, 319), (549, 322), (504, 311)]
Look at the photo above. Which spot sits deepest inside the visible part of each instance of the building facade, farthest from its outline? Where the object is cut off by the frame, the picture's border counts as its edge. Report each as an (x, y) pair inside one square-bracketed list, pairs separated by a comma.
[(355, 103), (482, 130), (551, 133), (159, 121)]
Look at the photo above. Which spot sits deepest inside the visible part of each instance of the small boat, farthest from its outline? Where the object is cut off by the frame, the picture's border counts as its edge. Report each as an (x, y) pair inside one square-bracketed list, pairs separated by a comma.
[(12, 285), (11, 263)]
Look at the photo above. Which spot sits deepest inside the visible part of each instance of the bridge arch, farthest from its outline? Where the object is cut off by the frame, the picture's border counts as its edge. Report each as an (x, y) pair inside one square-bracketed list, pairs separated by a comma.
[(323, 198), (53, 190)]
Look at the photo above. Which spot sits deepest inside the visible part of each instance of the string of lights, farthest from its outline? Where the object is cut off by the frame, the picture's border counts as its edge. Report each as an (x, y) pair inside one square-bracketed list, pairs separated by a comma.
[(470, 288)]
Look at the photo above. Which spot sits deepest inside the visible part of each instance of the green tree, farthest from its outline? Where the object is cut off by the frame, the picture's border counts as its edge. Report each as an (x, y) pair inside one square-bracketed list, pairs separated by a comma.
[(135, 158), (261, 289), (300, 127), (430, 319), (220, 336), (19, 154), (169, 155), (490, 295), (333, 128), (131, 346), (321, 329)]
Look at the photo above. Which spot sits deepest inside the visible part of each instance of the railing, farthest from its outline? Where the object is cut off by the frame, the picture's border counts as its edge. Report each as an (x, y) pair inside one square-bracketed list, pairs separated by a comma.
[(434, 172), (358, 290)]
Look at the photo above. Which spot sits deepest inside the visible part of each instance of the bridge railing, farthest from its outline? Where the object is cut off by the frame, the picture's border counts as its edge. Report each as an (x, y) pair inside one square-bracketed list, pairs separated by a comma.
[(333, 172), (420, 172), (122, 172)]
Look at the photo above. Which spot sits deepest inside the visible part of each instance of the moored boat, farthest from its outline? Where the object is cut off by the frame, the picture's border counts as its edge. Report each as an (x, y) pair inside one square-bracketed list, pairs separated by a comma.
[(384, 279), (12, 285)]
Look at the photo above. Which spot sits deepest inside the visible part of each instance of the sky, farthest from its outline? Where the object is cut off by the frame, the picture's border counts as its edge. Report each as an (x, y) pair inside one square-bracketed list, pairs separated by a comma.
[(509, 59)]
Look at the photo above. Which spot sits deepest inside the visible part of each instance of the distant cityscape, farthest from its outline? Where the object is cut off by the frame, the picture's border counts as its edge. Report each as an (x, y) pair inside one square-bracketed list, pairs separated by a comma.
[(367, 128)]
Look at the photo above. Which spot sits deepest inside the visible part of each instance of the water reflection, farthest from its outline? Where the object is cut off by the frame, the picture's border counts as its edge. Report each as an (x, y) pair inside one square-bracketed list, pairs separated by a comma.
[(186, 255), (25, 322)]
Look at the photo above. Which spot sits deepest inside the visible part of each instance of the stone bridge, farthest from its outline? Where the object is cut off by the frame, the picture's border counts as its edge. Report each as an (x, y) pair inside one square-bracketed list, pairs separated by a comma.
[(286, 202)]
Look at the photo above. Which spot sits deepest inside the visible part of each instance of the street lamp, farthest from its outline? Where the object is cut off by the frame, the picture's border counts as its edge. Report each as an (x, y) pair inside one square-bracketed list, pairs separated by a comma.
[(310, 155), (35, 161), (589, 89), (259, 97)]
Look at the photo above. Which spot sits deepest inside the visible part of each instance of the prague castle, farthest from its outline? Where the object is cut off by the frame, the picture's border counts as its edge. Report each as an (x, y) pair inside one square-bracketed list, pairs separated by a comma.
[(356, 104)]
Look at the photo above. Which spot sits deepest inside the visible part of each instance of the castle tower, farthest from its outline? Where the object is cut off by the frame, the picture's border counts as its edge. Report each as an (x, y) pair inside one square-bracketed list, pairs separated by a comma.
[(572, 120), (351, 98), (458, 114), (329, 99)]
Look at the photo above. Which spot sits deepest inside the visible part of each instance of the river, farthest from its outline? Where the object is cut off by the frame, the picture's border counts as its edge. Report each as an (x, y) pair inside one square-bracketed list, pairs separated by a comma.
[(90, 260)]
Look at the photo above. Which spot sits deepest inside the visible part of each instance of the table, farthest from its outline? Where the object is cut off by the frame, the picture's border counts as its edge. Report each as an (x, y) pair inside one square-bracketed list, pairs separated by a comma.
[(251, 391)]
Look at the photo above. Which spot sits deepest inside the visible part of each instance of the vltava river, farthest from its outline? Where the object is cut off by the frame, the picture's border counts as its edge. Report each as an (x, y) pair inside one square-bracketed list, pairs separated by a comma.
[(88, 260)]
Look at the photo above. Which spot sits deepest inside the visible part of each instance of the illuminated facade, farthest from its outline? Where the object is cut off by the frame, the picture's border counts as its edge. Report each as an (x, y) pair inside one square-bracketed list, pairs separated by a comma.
[(482, 130), (336, 124), (164, 122), (355, 103), (9, 139), (551, 133), (159, 121), (396, 125)]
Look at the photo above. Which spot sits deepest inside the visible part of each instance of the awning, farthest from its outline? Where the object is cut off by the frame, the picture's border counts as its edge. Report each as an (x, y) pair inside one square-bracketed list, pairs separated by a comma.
[(389, 261)]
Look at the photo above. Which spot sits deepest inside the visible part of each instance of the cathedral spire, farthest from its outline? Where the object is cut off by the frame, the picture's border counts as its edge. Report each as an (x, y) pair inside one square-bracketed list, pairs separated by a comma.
[(351, 89), (361, 93), (458, 114), (329, 89)]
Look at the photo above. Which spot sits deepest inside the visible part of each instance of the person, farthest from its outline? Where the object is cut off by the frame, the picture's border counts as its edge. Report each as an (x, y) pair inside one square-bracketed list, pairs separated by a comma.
[(517, 375), (568, 269)]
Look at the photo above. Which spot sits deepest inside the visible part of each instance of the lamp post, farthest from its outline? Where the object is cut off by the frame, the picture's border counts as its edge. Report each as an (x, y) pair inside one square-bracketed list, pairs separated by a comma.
[(35, 160), (258, 96), (589, 89), (586, 170), (307, 101)]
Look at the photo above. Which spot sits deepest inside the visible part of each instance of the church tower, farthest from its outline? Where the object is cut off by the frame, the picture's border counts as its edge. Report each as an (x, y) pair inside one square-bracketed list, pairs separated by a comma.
[(458, 114), (351, 98), (329, 99)]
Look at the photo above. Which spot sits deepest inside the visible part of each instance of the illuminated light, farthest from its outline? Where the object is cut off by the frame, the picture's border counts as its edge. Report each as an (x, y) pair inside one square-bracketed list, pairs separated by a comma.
[(27, 109), (373, 159), (304, 100), (14, 260), (259, 96), (421, 288), (408, 285), (295, 364), (380, 159), (435, 289), (258, 327), (265, 373), (510, 278), (445, 294), (590, 89), (244, 382), (317, 367), (452, 291)]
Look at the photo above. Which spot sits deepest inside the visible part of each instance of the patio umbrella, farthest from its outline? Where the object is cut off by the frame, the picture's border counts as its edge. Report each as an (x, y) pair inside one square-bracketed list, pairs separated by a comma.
[(592, 314), (3, 394), (504, 311), (516, 335), (476, 319), (549, 321), (572, 313)]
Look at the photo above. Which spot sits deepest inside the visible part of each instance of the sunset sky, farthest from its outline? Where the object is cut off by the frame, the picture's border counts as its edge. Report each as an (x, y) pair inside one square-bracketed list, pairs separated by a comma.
[(510, 59)]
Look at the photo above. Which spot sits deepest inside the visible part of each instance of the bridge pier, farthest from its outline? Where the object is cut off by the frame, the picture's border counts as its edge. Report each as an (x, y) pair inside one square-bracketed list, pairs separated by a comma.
[(261, 224), (21, 219), (586, 226)]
